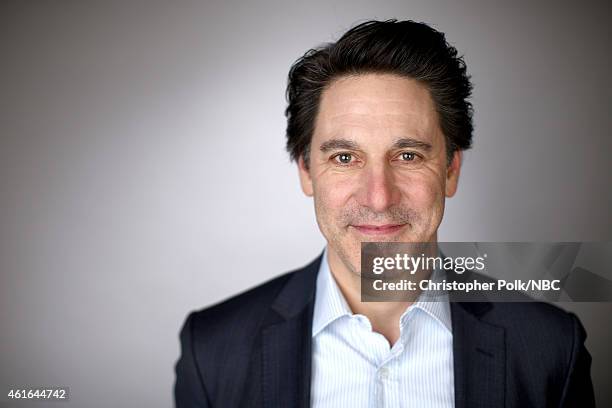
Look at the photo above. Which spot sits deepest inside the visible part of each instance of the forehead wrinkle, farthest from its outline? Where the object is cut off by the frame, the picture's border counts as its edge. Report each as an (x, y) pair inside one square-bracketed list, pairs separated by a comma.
[(369, 107), (386, 88), (377, 105), (399, 114), (349, 124)]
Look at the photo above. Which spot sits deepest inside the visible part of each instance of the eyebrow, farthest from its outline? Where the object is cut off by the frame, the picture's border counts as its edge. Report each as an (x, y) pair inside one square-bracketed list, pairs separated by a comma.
[(407, 142), (403, 143), (336, 144)]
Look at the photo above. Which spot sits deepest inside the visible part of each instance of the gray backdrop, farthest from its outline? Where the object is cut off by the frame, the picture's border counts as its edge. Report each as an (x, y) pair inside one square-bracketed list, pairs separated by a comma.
[(143, 172)]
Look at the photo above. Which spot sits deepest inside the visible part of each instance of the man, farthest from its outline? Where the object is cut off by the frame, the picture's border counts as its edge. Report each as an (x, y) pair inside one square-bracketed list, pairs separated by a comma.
[(377, 123)]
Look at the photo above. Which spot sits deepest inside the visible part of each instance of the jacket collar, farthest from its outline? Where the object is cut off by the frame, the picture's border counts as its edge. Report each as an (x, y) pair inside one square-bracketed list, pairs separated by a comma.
[(286, 342), (299, 291), (479, 355)]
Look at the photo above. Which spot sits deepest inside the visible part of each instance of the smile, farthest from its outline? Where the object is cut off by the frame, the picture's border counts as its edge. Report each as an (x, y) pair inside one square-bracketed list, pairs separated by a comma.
[(378, 230)]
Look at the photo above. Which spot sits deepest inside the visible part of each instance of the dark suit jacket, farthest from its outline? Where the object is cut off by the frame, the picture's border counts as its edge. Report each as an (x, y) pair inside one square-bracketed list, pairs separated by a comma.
[(254, 350)]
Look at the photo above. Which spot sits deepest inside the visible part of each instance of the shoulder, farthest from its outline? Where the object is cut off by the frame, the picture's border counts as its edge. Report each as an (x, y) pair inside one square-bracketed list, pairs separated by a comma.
[(246, 311), (536, 318), (543, 331), (532, 316), (236, 311), (518, 312)]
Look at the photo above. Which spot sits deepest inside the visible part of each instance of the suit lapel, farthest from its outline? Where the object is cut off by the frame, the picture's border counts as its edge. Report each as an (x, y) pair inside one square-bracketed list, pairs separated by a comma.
[(287, 342), (479, 357), (286, 364)]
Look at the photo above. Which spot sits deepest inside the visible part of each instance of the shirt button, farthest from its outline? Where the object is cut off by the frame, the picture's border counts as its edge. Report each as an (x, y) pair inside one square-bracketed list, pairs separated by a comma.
[(383, 373)]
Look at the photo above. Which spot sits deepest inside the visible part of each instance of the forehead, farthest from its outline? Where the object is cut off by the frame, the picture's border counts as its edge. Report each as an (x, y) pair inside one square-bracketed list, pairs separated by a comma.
[(382, 105)]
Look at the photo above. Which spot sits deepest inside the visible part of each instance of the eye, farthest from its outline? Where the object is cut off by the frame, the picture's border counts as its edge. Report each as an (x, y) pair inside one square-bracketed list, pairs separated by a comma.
[(344, 158), (408, 156), (409, 159)]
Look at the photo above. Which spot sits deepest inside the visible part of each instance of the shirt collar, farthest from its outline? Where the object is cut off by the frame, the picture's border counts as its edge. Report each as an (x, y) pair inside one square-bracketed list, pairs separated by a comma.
[(330, 303)]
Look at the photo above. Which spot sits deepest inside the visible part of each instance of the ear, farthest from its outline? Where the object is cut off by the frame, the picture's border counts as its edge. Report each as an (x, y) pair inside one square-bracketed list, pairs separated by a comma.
[(452, 173), (305, 179)]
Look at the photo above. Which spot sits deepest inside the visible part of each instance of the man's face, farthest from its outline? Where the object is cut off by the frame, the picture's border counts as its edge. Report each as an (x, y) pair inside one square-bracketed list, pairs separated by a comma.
[(378, 166)]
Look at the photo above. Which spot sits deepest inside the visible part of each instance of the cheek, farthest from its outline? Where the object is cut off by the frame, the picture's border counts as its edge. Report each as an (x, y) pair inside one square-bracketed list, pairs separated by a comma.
[(422, 192), (333, 195)]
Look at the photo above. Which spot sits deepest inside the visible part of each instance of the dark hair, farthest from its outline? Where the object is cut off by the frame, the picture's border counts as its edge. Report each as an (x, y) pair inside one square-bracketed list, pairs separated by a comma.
[(405, 48)]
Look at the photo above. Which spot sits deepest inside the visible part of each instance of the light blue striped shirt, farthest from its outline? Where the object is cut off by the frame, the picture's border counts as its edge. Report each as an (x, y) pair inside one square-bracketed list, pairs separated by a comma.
[(353, 366)]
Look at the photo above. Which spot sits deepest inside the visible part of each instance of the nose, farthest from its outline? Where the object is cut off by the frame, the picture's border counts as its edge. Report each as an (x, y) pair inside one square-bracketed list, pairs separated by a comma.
[(378, 190)]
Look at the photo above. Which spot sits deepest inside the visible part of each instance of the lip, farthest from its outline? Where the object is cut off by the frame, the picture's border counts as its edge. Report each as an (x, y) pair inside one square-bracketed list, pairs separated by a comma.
[(378, 230)]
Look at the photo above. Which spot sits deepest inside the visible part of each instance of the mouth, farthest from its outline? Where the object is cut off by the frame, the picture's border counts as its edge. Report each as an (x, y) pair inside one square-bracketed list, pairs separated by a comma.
[(379, 230)]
